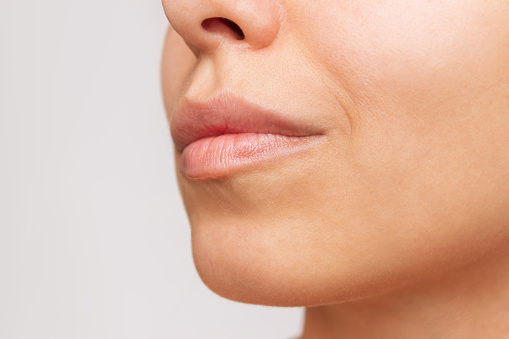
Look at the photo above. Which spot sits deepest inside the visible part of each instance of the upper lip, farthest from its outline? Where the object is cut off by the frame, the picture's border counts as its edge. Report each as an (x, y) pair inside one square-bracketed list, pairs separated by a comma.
[(227, 113)]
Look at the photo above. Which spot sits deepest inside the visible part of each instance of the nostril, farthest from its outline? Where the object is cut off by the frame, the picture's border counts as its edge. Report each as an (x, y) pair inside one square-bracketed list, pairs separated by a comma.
[(220, 24)]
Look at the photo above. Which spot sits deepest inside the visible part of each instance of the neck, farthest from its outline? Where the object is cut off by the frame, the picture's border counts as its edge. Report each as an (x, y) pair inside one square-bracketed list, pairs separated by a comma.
[(473, 303)]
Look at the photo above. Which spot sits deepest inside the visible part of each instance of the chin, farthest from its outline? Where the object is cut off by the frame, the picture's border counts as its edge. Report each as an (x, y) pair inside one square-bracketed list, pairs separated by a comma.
[(260, 264), (287, 236), (239, 262), (283, 262)]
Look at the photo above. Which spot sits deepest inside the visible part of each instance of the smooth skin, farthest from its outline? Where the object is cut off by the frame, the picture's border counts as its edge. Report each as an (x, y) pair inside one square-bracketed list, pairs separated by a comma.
[(396, 225)]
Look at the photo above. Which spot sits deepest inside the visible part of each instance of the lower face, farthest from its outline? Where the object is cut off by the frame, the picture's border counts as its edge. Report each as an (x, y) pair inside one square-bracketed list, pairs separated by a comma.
[(409, 180)]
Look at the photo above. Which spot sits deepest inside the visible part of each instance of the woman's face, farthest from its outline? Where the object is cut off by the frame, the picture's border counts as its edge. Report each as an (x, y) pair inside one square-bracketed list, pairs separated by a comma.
[(407, 174)]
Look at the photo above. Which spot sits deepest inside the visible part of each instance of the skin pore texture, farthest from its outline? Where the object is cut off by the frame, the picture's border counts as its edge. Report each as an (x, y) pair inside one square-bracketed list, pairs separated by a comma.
[(394, 223)]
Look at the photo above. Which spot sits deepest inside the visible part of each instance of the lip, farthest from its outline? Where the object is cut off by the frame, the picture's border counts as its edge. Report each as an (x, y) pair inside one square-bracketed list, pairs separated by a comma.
[(226, 133)]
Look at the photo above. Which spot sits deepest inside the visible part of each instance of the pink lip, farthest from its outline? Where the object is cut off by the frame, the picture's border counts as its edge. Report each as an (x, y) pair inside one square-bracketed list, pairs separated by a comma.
[(226, 133)]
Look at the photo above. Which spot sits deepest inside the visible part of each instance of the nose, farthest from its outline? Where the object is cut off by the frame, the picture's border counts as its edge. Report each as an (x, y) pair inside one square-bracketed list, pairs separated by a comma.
[(204, 24)]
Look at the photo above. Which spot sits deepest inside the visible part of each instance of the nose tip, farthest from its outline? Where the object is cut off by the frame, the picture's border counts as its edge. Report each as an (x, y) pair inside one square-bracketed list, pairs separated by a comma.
[(205, 24)]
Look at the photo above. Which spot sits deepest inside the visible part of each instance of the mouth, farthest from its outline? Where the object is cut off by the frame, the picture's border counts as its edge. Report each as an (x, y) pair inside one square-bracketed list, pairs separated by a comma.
[(227, 134)]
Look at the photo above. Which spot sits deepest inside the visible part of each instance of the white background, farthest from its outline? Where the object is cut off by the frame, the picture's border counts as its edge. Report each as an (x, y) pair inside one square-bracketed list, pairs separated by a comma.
[(94, 242)]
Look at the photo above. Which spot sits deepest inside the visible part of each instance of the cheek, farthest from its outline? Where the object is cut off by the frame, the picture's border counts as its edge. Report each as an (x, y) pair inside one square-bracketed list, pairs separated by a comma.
[(421, 76), (429, 84), (406, 51)]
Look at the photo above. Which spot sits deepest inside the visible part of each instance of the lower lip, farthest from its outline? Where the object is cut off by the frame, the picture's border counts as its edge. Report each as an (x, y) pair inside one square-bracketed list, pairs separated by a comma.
[(224, 155)]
